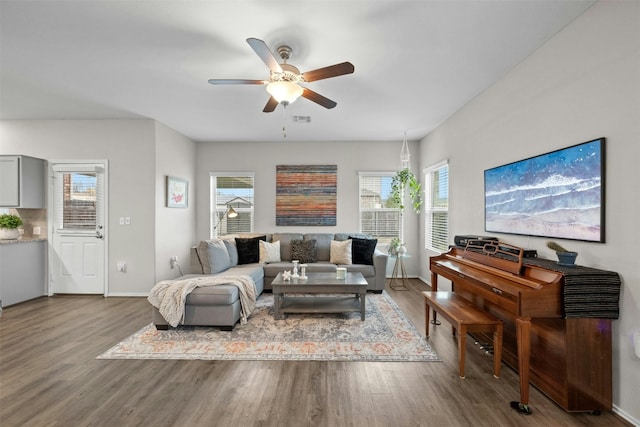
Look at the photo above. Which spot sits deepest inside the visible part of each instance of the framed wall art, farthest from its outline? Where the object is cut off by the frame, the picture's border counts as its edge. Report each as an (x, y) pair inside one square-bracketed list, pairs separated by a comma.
[(560, 194), (306, 195), (177, 192)]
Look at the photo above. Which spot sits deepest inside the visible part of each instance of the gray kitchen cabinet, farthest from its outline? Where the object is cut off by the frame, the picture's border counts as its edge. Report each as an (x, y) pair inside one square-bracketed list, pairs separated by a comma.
[(22, 182), (23, 269)]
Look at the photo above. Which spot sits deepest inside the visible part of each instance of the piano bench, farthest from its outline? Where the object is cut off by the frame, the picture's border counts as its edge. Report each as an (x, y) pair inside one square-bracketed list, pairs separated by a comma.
[(465, 317)]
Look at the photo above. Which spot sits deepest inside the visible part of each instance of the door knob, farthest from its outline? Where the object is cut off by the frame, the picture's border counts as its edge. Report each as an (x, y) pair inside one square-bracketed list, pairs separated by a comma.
[(99, 235)]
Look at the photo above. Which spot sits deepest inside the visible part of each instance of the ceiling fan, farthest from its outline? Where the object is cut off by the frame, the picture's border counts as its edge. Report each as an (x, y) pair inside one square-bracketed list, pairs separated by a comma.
[(283, 84)]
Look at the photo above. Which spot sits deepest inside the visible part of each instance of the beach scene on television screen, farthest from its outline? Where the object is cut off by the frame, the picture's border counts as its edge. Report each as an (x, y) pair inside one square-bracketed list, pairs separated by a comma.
[(556, 194)]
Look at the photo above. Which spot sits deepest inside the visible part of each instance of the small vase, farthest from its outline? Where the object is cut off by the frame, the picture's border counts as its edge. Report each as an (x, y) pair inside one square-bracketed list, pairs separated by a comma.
[(402, 250), (9, 233)]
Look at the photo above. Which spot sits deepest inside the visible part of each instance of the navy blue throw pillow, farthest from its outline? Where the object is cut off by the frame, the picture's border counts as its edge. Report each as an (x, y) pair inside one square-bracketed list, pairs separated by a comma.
[(249, 249), (362, 250)]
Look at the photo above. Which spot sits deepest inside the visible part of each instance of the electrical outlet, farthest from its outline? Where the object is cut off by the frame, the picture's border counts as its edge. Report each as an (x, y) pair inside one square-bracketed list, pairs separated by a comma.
[(121, 266), (174, 261)]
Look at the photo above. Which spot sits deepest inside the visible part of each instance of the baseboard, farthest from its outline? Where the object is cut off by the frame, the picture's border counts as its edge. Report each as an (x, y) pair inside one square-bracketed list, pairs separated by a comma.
[(127, 294), (625, 416)]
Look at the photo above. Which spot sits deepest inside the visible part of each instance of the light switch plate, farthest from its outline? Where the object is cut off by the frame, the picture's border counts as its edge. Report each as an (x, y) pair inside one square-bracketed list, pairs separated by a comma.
[(636, 340)]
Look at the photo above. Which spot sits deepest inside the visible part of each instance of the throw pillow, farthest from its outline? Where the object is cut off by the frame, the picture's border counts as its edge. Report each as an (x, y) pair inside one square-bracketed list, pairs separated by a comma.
[(269, 252), (304, 251), (218, 256), (233, 251), (362, 250), (340, 252), (249, 249)]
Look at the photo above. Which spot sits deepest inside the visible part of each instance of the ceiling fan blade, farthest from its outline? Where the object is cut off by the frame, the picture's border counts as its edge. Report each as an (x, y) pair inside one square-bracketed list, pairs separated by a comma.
[(330, 71), (265, 54), (235, 82), (318, 99), (271, 105)]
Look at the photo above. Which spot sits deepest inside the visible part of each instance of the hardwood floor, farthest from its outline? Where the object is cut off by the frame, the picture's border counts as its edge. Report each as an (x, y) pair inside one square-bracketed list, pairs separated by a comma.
[(49, 376)]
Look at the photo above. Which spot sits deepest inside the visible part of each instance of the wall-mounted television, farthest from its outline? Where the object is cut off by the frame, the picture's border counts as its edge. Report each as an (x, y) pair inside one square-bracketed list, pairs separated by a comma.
[(558, 194)]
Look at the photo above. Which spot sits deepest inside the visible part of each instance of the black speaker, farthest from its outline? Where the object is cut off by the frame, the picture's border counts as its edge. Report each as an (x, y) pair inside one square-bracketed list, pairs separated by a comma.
[(463, 240)]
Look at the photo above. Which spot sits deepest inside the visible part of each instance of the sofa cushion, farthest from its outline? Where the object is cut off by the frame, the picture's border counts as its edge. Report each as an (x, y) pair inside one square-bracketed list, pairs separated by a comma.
[(321, 267), (366, 270), (248, 249), (285, 243), (213, 295), (340, 252), (362, 250), (255, 271), (304, 251), (269, 252)]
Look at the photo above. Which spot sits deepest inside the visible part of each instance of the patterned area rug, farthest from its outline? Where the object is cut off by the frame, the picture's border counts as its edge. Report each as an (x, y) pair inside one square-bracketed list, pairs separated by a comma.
[(385, 335)]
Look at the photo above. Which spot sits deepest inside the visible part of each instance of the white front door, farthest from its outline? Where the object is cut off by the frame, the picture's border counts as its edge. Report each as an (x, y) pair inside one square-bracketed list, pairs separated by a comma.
[(78, 233)]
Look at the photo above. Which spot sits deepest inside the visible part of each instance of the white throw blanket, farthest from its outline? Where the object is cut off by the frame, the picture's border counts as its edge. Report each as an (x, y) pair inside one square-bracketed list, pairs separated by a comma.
[(169, 296)]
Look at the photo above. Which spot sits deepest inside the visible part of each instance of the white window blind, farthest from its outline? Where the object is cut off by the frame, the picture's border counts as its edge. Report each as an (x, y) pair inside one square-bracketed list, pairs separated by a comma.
[(78, 189), (231, 191), (377, 216), (436, 228)]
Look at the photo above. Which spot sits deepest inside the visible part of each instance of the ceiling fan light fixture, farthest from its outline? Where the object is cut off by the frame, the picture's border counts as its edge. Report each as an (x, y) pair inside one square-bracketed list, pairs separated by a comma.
[(284, 92)]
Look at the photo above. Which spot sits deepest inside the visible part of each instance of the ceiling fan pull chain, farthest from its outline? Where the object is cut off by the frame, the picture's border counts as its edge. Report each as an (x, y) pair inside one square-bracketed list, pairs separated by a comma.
[(284, 120)]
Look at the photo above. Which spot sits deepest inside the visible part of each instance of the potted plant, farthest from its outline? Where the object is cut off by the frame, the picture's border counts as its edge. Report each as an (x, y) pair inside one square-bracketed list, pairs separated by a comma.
[(401, 181), (394, 245), (9, 224), (565, 257)]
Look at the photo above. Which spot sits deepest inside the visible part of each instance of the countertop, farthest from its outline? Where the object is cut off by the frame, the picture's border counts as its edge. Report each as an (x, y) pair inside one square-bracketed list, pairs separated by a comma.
[(23, 240)]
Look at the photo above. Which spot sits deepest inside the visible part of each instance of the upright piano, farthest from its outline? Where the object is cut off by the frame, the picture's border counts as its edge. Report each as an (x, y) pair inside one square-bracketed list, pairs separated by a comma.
[(567, 358)]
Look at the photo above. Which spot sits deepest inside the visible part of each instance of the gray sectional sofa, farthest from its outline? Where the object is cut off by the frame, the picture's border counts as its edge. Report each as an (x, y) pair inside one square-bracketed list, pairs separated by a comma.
[(241, 254)]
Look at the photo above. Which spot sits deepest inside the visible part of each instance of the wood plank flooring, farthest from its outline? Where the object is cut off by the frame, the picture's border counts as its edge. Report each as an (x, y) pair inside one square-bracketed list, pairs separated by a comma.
[(49, 376)]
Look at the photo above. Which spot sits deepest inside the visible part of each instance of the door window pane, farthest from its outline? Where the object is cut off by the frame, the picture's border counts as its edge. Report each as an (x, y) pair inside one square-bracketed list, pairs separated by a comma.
[(79, 200)]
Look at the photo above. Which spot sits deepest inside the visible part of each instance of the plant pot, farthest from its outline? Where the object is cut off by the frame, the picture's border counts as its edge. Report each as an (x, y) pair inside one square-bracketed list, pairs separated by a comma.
[(567, 258), (9, 233)]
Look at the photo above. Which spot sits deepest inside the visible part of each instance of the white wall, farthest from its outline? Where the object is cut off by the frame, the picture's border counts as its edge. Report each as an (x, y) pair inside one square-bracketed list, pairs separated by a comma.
[(262, 158), (175, 227), (582, 84), (129, 147)]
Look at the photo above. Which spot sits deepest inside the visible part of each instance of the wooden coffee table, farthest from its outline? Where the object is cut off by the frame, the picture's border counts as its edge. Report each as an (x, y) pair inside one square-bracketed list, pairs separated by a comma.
[(308, 300)]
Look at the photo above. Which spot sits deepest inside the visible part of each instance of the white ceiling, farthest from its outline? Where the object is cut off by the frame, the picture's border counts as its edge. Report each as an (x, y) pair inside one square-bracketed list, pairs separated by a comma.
[(416, 62)]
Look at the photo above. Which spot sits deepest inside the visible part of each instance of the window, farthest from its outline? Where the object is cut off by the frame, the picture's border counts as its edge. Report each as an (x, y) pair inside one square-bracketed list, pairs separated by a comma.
[(231, 191), (377, 216), (78, 191), (436, 227)]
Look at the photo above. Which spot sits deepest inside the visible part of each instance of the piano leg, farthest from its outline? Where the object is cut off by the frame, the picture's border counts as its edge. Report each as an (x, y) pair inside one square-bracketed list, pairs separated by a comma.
[(523, 333), (434, 288)]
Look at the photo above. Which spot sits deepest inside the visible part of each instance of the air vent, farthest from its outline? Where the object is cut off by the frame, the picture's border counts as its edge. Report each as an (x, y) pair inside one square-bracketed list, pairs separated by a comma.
[(301, 119)]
